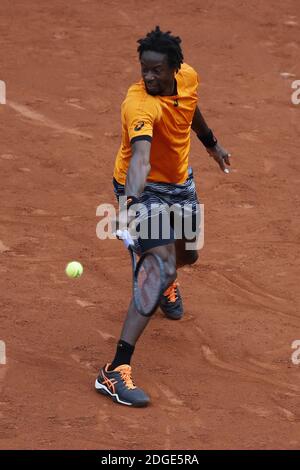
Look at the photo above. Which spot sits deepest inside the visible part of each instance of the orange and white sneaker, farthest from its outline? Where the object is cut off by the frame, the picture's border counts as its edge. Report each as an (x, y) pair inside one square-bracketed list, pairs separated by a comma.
[(171, 302), (118, 385)]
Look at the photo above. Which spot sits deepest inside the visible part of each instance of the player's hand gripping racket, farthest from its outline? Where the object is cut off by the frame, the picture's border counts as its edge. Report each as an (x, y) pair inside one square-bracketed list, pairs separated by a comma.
[(148, 277)]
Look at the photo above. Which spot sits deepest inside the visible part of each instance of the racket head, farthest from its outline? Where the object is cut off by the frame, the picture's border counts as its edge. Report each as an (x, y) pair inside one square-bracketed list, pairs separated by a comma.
[(149, 283)]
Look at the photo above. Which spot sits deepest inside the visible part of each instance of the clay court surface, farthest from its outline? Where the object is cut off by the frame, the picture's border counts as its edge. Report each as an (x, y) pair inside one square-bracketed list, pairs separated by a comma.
[(223, 376)]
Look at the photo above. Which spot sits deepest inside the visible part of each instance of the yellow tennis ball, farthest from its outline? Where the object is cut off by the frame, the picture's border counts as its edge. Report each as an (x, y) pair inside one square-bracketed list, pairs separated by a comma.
[(74, 269)]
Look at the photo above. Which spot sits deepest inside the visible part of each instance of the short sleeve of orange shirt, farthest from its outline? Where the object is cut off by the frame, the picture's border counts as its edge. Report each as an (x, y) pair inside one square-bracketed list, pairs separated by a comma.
[(140, 112)]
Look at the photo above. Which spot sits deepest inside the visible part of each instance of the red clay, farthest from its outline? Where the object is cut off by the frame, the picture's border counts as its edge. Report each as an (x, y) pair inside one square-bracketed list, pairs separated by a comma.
[(223, 376)]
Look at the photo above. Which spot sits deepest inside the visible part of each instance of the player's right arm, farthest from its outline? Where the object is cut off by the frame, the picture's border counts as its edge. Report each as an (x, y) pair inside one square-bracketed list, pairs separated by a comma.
[(137, 173), (139, 168), (140, 113)]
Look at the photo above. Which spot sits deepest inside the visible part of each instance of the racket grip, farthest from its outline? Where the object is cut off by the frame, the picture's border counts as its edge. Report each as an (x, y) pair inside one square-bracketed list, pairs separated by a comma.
[(126, 237)]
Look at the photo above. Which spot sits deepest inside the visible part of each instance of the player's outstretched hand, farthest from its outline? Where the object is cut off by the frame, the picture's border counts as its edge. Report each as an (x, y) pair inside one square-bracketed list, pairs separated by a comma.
[(221, 156)]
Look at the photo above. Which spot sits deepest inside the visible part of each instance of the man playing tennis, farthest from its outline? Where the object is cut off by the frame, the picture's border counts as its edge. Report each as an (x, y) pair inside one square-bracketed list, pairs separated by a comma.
[(152, 168)]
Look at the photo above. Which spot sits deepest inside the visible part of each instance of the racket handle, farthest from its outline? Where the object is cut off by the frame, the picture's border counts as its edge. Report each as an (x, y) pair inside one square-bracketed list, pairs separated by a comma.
[(126, 237)]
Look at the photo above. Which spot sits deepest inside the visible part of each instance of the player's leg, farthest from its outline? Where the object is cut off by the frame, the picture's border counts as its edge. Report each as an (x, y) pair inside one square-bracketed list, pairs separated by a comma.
[(115, 379), (186, 223), (171, 302)]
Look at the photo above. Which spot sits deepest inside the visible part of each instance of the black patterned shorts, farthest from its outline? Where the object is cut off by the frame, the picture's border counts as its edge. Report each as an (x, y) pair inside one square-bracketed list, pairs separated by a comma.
[(167, 212)]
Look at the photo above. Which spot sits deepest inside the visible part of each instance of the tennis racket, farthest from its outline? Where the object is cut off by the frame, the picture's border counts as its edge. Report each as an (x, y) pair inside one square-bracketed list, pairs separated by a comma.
[(149, 277)]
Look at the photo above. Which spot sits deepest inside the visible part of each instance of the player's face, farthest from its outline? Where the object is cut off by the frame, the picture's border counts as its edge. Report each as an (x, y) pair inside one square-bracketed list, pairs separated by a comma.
[(157, 75)]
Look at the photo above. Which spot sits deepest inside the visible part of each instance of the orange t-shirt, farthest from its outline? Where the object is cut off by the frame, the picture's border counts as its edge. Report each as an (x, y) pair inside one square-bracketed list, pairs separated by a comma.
[(163, 120)]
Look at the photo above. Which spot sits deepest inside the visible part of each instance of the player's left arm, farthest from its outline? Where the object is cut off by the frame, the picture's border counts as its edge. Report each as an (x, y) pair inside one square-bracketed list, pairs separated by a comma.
[(206, 136)]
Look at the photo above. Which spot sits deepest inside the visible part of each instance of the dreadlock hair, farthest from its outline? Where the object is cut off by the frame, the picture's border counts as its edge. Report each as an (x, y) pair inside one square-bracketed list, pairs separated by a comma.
[(164, 43)]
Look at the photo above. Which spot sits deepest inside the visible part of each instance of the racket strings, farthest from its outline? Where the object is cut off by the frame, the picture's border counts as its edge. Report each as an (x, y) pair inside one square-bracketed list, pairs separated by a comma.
[(149, 282)]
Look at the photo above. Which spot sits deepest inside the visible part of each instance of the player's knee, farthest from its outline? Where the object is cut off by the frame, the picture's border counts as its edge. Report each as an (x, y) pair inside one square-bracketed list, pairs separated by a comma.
[(169, 261), (168, 256), (170, 271)]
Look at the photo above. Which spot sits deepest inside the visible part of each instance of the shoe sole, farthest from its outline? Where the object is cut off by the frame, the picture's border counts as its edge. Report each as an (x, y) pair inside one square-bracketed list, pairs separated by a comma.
[(100, 388), (170, 316)]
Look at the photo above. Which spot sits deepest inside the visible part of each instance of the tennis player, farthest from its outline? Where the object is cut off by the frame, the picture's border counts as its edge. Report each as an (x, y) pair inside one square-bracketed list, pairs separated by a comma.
[(152, 168)]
